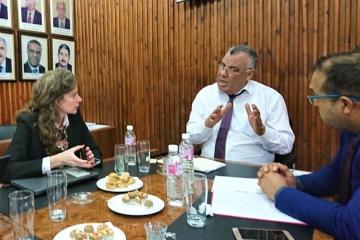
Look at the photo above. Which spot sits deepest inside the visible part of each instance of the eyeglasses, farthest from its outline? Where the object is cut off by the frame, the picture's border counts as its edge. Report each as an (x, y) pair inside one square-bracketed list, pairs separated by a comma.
[(230, 69), (312, 98)]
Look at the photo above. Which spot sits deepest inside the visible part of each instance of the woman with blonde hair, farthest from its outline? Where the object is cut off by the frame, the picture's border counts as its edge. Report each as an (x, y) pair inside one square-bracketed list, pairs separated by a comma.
[(50, 130)]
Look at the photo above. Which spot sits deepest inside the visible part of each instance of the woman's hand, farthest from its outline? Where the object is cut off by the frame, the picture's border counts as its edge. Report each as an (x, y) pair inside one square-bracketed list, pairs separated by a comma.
[(69, 158)]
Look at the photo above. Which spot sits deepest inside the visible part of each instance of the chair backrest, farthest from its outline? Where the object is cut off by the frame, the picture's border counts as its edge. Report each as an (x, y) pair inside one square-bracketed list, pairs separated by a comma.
[(7, 131), (286, 159), (4, 160), (4, 144)]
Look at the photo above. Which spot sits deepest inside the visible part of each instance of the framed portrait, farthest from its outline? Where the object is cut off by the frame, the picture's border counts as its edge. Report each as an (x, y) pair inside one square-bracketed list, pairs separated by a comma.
[(7, 56), (63, 54), (61, 17), (31, 15), (34, 57), (6, 13)]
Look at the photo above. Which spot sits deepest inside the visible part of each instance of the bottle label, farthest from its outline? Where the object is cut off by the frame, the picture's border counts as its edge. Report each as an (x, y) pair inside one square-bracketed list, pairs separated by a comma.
[(171, 169), (130, 141), (187, 154), (174, 169)]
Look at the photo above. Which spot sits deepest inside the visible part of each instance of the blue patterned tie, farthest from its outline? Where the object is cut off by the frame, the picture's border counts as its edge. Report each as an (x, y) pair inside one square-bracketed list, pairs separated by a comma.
[(1, 69), (220, 143)]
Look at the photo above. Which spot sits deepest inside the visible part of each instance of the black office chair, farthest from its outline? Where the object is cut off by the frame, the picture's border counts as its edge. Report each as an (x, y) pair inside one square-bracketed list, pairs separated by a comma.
[(286, 159), (7, 131)]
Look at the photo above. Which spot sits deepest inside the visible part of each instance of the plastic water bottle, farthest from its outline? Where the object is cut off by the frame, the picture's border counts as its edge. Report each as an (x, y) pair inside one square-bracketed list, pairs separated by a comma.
[(130, 142), (174, 178), (186, 151)]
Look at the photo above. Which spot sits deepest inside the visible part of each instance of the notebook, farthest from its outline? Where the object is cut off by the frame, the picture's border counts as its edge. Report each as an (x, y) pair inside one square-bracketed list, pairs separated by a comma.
[(38, 184)]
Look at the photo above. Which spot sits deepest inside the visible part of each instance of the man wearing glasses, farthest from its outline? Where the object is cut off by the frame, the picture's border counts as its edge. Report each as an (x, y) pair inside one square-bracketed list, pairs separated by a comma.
[(336, 86), (237, 118)]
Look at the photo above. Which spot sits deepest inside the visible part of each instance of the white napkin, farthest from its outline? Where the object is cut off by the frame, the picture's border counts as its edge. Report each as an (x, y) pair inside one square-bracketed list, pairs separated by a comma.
[(206, 165)]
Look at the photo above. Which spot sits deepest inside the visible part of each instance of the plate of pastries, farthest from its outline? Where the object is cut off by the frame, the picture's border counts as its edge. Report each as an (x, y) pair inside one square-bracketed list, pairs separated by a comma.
[(136, 203), (94, 231), (114, 182)]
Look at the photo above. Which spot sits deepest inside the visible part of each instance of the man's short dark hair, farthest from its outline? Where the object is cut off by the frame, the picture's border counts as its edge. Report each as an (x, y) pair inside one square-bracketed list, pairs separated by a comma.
[(245, 49), (65, 47), (33, 41), (342, 71)]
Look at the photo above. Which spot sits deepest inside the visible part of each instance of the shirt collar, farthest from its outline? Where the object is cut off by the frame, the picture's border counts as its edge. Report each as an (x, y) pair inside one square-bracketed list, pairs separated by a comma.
[(33, 68), (3, 65), (247, 88), (65, 123)]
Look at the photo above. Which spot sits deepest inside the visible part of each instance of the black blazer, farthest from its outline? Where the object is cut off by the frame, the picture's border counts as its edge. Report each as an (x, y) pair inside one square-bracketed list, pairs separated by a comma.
[(56, 22), (69, 66), (8, 67), (4, 11), (27, 68), (27, 151), (37, 16)]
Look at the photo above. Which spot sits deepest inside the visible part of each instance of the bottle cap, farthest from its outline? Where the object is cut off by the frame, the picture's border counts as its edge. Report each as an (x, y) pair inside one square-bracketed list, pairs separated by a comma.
[(185, 136), (173, 148), (129, 127)]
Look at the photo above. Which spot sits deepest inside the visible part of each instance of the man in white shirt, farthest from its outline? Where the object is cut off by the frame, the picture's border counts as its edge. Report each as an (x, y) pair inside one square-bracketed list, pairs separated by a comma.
[(259, 123)]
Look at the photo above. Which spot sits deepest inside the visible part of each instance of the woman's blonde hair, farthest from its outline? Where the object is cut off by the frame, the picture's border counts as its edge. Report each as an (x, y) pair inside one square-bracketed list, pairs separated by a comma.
[(46, 92)]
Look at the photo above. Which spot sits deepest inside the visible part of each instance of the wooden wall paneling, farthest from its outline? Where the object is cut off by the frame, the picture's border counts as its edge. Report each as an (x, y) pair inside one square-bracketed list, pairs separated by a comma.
[(143, 62)]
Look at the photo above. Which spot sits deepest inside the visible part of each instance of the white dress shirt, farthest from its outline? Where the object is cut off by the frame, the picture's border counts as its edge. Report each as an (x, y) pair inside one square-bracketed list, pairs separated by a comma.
[(243, 144), (45, 167)]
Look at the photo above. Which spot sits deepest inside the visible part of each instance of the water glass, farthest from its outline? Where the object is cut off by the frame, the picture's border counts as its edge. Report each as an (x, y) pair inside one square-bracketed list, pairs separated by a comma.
[(121, 164), (143, 156), (157, 231), (57, 194), (131, 154), (22, 214), (196, 201)]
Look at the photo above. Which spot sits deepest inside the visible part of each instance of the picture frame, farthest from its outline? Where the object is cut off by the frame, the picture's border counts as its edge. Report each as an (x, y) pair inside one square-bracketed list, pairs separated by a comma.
[(7, 57), (6, 16), (61, 17), (63, 54), (32, 15), (34, 56)]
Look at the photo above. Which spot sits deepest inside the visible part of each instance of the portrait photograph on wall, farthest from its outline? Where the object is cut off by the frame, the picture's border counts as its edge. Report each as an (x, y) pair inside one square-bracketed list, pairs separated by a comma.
[(34, 57), (32, 15), (63, 54), (61, 17), (6, 13), (7, 56)]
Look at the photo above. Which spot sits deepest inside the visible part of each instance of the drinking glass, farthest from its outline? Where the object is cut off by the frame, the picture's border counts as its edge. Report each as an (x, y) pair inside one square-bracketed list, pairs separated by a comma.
[(143, 156), (196, 201), (157, 231), (121, 164), (22, 214), (57, 194)]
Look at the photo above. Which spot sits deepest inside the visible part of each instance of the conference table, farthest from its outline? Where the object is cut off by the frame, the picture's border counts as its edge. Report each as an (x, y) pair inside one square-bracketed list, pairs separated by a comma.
[(217, 227)]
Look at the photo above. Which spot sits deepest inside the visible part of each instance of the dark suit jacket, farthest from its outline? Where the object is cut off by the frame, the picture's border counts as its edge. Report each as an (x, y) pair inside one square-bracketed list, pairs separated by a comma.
[(37, 16), (27, 151), (8, 66), (27, 68), (69, 66), (4, 11), (56, 22)]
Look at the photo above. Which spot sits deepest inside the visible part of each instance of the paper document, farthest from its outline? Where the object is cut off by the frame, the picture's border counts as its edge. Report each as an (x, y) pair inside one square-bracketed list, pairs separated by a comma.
[(206, 165), (242, 197)]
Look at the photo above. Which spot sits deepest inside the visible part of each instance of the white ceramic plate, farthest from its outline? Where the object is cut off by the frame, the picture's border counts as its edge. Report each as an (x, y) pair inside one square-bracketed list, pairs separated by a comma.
[(101, 183), (65, 233), (134, 209)]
